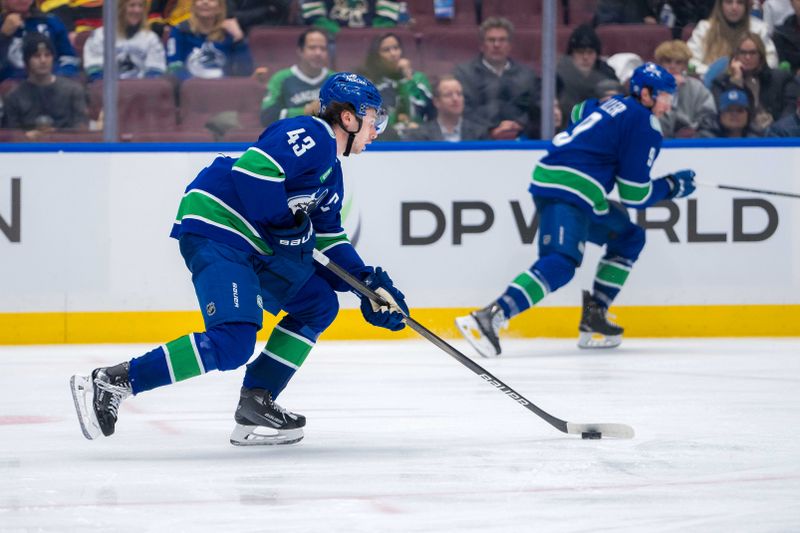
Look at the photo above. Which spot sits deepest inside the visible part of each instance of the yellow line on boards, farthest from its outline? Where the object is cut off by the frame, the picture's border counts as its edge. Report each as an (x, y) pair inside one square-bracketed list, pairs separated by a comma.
[(639, 321)]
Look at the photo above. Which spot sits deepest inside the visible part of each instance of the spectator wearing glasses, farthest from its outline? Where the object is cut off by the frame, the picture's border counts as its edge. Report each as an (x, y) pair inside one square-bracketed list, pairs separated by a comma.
[(771, 92), (715, 38), (498, 91), (693, 105), (450, 123)]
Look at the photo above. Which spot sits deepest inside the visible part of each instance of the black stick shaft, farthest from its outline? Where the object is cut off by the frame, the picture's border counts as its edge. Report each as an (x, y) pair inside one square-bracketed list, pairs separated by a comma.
[(362, 289), (759, 191)]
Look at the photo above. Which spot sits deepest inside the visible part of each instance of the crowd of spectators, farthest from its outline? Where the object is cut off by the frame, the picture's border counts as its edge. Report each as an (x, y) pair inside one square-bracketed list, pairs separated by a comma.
[(736, 62)]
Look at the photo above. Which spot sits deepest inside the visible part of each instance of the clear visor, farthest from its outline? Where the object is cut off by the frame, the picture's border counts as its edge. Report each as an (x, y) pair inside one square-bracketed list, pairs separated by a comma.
[(381, 120)]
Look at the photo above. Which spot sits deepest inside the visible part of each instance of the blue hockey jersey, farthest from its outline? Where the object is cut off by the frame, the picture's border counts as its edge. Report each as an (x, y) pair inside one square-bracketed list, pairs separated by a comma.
[(293, 165), (65, 62), (611, 143), (195, 55)]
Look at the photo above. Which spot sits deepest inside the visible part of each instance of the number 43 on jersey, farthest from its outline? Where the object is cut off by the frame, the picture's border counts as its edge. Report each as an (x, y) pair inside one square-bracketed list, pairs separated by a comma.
[(300, 146)]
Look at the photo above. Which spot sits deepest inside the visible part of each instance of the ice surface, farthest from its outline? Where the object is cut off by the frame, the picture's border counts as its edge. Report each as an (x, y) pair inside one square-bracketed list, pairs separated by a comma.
[(401, 437)]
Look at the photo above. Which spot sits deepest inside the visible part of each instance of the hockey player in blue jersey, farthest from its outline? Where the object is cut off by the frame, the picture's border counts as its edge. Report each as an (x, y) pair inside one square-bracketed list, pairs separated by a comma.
[(247, 228), (614, 142)]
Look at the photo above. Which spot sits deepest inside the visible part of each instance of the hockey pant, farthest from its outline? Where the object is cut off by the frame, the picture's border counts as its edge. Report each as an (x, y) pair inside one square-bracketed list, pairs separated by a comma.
[(232, 288), (564, 230)]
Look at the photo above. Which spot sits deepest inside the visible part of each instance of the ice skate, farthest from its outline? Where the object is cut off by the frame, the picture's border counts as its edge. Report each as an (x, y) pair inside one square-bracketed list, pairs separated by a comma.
[(97, 398), (260, 421), (595, 329), (481, 328)]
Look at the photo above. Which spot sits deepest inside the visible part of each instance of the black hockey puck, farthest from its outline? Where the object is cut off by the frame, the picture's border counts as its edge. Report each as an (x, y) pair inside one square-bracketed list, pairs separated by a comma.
[(591, 435)]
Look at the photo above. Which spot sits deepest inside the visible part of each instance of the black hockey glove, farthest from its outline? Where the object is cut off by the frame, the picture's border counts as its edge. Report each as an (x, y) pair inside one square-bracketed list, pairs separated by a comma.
[(389, 317), (681, 183), (297, 243)]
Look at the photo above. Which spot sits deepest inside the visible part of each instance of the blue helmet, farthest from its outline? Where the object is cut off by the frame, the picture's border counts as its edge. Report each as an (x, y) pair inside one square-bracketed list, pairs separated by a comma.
[(356, 90), (653, 76)]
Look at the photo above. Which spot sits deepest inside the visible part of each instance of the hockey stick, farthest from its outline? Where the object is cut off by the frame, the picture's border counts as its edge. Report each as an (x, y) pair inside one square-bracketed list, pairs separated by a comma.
[(620, 431), (744, 189)]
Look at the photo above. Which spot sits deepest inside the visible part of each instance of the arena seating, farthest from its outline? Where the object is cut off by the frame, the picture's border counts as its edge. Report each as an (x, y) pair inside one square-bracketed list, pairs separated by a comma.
[(421, 12), (201, 100), (524, 13), (274, 47), (154, 110), (351, 45), (146, 105), (640, 39)]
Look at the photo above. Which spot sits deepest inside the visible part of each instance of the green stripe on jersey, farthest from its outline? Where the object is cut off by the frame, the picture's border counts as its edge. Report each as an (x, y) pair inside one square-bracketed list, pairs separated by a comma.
[(258, 164), (571, 180), (287, 347), (326, 241), (203, 206), (577, 112), (183, 360), (613, 274), (633, 193), (531, 286)]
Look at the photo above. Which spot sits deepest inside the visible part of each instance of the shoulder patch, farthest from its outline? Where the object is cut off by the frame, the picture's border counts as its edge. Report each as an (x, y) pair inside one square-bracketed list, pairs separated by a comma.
[(325, 175)]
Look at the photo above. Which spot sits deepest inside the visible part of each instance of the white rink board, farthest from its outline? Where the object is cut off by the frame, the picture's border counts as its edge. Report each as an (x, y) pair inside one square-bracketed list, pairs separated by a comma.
[(94, 229)]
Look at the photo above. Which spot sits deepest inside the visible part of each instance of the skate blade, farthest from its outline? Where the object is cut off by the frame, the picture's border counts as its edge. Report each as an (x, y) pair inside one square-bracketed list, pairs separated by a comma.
[(83, 396), (264, 436), (591, 340), (468, 327)]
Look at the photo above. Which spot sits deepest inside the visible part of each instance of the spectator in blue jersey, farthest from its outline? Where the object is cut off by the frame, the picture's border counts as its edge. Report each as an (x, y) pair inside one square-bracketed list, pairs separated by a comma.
[(294, 91), (613, 143), (450, 124), (44, 102), (140, 53), (498, 91), (735, 117), (20, 17), (202, 47), (581, 69), (406, 92), (788, 126), (247, 228), (333, 15), (772, 92)]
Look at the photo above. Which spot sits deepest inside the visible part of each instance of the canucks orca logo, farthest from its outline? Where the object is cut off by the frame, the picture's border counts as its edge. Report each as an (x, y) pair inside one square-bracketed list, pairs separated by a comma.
[(206, 62), (307, 202), (128, 69)]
